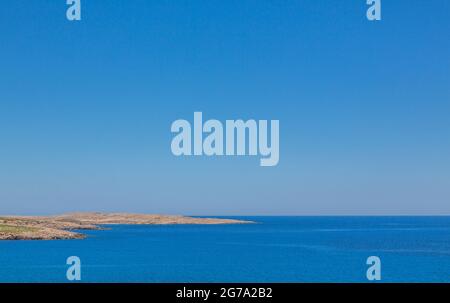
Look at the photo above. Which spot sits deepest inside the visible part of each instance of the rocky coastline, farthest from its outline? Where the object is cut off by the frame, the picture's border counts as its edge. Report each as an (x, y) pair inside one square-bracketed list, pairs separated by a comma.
[(70, 226)]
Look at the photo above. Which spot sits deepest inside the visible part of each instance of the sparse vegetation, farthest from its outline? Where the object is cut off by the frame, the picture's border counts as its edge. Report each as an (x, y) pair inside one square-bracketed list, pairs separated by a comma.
[(15, 229)]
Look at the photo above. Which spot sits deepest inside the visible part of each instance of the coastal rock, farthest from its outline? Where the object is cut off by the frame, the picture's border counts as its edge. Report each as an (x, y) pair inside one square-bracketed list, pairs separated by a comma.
[(62, 226)]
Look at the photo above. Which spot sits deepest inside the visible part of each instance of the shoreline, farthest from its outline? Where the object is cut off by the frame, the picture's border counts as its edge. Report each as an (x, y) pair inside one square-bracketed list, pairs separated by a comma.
[(62, 227)]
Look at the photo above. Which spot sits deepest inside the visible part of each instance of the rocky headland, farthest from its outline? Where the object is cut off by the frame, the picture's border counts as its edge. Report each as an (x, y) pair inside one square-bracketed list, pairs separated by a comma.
[(68, 226)]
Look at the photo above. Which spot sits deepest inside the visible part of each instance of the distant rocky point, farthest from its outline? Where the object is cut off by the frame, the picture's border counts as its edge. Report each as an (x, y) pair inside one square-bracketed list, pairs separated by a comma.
[(63, 226)]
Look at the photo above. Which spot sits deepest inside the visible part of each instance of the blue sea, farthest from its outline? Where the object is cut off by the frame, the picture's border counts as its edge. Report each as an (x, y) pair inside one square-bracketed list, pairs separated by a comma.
[(276, 249)]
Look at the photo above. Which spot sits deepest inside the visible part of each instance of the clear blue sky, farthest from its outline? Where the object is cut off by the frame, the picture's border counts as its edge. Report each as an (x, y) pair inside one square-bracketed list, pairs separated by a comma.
[(86, 108)]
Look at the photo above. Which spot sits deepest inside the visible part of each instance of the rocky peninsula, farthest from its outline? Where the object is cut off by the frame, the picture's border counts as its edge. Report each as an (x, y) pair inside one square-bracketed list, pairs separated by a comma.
[(64, 226)]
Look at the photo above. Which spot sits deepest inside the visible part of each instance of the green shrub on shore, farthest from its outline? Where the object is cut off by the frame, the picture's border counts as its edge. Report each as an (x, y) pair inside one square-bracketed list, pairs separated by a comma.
[(15, 229)]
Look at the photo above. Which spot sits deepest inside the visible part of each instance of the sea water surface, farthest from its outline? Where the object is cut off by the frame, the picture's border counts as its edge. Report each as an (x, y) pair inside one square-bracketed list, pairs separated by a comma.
[(276, 249)]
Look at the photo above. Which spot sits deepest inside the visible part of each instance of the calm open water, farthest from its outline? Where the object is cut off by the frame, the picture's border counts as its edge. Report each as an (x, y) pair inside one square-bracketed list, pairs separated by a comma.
[(277, 249)]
